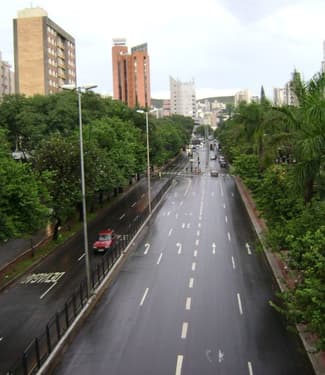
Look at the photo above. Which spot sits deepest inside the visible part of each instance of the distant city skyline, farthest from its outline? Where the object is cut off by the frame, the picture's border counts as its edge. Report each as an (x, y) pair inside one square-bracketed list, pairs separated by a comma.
[(224, 45)]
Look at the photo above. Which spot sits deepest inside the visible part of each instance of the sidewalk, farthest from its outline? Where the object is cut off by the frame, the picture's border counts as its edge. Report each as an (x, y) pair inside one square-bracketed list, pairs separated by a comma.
[(281, 274)]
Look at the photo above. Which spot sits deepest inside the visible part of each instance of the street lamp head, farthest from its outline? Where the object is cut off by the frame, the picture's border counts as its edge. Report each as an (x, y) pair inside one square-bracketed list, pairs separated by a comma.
[(72, 87), (69, 87), (88, 87)]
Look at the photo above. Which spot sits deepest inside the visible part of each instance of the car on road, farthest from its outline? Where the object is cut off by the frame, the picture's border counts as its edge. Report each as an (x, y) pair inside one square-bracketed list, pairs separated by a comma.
[(223, 164), (214, 173), (105, 241)]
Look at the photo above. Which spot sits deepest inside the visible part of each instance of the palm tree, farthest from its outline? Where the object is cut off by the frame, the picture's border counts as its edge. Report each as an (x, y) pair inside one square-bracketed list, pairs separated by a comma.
[(307, 121)]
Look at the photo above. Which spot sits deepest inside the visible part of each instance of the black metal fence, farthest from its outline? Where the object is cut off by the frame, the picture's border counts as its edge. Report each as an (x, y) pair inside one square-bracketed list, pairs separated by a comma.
[(41, 347)]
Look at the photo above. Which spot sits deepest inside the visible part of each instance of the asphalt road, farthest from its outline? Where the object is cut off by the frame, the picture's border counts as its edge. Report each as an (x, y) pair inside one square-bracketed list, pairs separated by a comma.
[(193, 298), (28, 305)]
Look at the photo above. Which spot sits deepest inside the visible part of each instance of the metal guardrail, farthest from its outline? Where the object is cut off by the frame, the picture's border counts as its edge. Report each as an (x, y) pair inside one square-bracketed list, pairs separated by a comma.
[(41, 347)]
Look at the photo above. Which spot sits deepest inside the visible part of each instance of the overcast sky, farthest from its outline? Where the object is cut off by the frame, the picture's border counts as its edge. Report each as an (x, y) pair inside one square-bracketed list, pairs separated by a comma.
[(224, 45)]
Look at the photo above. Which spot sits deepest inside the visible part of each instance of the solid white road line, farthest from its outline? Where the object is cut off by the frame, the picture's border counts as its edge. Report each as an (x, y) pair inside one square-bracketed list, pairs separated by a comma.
[(121, 217), (170, 232), (188, 303), (191, 283), (179, 365), (193, 266), (228, 234), (144, 296), (159, 259), (250, 368), (132, 205), (233, 263), (184, 330), (239, 304)]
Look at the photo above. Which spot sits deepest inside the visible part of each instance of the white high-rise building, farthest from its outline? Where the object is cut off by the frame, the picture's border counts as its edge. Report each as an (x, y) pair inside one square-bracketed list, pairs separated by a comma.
[(242, 96), (182, 98), (279, 96), (7, 81)]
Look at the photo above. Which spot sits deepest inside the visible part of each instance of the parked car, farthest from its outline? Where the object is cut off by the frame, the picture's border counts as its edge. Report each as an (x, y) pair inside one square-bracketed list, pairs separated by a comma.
[(105, 241), (223, 164)]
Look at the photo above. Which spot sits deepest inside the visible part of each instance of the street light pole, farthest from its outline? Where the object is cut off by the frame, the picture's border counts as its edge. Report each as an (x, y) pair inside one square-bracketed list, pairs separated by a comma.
[(83, 185), (148, 163), (148, 156)]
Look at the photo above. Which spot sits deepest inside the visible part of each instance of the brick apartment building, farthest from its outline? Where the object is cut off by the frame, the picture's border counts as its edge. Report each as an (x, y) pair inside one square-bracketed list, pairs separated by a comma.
[(44, 54), (131, 74)]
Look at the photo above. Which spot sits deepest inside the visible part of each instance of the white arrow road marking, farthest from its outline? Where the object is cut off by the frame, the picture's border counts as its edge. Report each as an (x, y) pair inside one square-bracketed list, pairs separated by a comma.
[(179, 245), (208, 355), (220, 356), (250, 368), (179, 365), (144, 296), (147, 246), (248, 249), (213, 248)]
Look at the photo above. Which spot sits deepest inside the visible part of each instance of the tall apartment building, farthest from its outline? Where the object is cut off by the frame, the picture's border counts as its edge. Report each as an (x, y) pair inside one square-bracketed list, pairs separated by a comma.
[(45, 57), (182, 98), (131, 74), (7, 86), (279, 96), (242, 96)]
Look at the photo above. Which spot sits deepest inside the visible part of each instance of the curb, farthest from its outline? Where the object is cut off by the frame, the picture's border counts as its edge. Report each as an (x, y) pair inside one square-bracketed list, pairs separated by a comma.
[(314, 356)]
